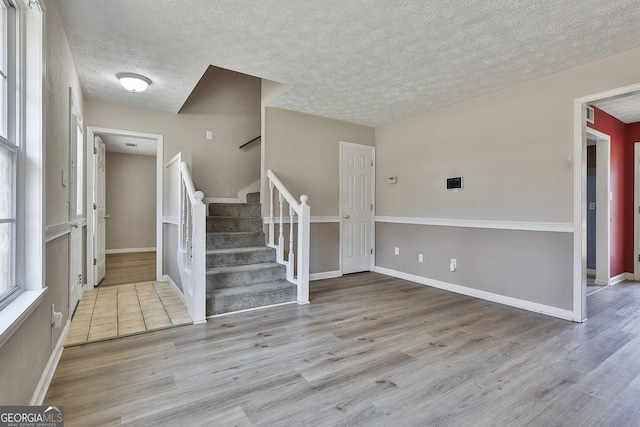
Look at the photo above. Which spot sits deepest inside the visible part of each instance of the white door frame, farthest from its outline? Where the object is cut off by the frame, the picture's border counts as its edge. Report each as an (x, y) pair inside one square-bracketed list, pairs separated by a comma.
[(77, 221), (91, 133), (580, 197), (603, 206), (373, 199), (636, 211)]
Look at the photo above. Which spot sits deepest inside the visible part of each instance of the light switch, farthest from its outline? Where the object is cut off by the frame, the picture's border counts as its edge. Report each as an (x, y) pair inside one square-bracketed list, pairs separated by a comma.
[(209, 134), (65, 178)]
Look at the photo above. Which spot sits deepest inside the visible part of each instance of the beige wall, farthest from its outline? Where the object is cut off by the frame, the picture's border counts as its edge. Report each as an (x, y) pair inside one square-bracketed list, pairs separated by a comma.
[(27, 352), (512, 147), (304, 152), (224, 102), (131, 201)]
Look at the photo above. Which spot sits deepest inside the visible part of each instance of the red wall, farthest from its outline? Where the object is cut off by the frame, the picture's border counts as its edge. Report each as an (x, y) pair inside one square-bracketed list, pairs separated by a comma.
[(623, 137)]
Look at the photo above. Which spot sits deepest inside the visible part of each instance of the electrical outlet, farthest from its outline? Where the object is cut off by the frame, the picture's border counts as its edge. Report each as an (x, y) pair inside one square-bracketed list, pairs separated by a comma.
[(453, 265), (397, 251), (420, 258), (209, 134)]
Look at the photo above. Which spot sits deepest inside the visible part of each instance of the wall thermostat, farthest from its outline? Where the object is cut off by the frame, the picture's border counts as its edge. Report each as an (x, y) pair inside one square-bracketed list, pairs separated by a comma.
[(454, 183)]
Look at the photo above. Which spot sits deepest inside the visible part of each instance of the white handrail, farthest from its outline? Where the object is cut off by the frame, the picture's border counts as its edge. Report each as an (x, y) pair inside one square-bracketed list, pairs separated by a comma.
[(283, 190), (188, 182), (297, 261)]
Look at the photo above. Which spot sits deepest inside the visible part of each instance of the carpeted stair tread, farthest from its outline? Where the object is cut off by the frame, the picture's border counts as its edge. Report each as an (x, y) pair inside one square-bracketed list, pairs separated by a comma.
[(239, 250), (248, 289), (238, 268), (234, 223)]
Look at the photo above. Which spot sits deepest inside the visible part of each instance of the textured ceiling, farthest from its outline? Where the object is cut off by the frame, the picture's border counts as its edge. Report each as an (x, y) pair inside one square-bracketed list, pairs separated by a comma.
[(625, 108), (362, 61), (118, 144)]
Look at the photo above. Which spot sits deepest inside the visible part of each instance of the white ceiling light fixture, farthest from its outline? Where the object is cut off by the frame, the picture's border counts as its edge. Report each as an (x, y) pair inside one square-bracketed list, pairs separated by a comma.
[(134, 82)]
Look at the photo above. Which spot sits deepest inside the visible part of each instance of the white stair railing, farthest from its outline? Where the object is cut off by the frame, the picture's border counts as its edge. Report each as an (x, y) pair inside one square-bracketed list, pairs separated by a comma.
[(299, 213), (192, 235)]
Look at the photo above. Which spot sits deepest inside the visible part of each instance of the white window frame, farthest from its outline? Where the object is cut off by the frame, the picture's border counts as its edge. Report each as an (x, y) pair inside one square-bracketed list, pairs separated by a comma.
[(28, 124)]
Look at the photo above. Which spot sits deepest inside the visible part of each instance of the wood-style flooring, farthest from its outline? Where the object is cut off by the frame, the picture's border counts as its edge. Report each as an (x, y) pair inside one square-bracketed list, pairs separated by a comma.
[(132, 267), (369, 350)]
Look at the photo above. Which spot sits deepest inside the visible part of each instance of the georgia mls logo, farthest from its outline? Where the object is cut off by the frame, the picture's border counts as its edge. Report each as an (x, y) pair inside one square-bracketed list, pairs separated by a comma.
[(31, 416)]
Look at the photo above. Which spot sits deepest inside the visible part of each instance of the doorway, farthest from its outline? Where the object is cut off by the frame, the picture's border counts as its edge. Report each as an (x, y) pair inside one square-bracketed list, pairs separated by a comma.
[(357, 206), (620, 106), (598, 177), (97, 197)]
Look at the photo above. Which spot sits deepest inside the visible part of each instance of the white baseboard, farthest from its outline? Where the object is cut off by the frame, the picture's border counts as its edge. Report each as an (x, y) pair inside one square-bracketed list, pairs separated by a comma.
[(591, 271), (176, 289), (129, 250), (620, 278), (325, 275), (513, 302), (45, 380), (602, 282), (630, 276)]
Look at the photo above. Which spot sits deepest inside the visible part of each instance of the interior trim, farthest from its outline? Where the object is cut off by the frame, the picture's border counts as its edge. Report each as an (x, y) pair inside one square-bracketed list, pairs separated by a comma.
[(555, 227), (55, 231)]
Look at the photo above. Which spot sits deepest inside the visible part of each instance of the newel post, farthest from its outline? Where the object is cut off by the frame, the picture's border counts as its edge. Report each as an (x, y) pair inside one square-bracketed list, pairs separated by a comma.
[(304, 237), (198, 266)]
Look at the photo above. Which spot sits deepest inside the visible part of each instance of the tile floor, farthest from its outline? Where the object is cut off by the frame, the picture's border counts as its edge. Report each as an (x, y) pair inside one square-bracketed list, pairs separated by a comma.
[(121, 310)]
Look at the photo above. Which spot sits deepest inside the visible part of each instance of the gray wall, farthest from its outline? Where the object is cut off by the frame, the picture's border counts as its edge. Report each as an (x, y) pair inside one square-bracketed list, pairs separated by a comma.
[(169, 253), (520, 264), (131, 201)]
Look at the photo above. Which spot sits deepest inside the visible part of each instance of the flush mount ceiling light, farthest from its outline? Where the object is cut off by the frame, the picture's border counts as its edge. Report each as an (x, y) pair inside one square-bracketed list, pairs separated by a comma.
[(134, 82)]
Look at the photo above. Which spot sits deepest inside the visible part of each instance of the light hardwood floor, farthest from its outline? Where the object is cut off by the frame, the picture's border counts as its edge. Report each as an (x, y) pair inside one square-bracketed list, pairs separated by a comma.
[(368, 350), (129, 268)]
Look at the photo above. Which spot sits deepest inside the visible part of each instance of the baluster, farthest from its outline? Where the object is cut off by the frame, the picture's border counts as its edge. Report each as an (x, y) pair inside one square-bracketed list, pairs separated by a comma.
[(280, 232), (188, 234), (271, 229), (184, 217), (292, 257)]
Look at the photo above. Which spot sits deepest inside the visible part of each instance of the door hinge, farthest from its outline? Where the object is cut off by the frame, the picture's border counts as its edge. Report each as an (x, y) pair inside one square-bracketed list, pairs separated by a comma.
[(95, 150), (372, 163), (94, 207), (638, 258), (372, 207), (371, 251), (95, 261)]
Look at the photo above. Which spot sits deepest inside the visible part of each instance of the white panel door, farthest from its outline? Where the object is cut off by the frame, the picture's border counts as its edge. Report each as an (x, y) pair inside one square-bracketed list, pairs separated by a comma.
[(356, 205), (100, 211), (75, 212)]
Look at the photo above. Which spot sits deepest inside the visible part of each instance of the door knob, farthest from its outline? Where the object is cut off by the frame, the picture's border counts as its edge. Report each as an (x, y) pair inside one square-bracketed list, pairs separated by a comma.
[(347, 217), (106, 216), (74, 225)]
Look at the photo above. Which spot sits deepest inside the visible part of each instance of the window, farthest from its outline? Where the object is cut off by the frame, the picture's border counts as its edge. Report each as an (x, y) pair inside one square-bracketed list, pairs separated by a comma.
[(9, 156)]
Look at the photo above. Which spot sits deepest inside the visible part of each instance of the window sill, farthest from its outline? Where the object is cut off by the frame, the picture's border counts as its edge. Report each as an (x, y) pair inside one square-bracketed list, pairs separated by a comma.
[(14, 315)]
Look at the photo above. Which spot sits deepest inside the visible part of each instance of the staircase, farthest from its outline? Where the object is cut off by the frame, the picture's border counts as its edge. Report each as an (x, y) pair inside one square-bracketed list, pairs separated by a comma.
[(242, 272)]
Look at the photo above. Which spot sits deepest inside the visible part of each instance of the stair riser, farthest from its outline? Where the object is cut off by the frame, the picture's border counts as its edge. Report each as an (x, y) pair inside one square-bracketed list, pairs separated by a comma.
[(234, 209), (243, 258), (221, 224), (253, 198), (228, 304), (224, 241), (219, 280)]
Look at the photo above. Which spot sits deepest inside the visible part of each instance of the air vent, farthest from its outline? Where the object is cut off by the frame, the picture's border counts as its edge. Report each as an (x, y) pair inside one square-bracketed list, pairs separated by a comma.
[(131, 144), (591, 114)]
